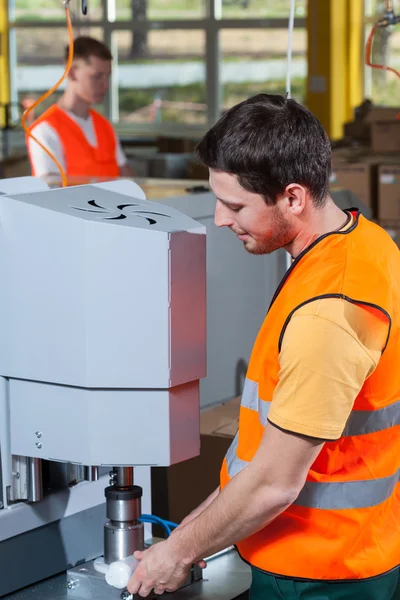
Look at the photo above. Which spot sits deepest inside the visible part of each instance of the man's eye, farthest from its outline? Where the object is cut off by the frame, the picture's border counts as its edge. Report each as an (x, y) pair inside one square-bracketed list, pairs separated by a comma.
[(236, 208)]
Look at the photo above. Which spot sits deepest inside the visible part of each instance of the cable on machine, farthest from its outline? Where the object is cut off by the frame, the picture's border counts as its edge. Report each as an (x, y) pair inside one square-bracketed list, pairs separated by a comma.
[(290, 48), (389, 18), (54, 88)]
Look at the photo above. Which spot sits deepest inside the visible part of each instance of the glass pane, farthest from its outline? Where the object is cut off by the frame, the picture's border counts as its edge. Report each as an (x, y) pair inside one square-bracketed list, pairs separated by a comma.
[(40, 61), (254, 61), (250, 9), (382, 86), (161, 76), (374, 8), (156, 9), (52, 10)]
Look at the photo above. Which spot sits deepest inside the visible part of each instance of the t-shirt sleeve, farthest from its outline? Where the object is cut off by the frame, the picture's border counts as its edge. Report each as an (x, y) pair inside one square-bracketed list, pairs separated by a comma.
[(41, 161), (328, 350)]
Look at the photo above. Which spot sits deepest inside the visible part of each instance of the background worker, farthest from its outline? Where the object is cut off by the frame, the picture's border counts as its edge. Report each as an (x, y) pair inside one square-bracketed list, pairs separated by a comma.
[(83, 141), (309, 487)]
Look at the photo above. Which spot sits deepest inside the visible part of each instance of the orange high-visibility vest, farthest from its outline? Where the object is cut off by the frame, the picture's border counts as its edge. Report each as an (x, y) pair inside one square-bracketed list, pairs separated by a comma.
[(82, 159), (345, 523)]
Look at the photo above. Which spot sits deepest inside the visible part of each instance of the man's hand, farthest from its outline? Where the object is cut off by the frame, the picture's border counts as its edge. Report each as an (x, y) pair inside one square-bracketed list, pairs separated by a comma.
[(160, 568)]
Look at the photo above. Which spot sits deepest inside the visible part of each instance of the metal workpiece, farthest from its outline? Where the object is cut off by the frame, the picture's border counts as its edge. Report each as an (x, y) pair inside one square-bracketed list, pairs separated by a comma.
[(122, 540)]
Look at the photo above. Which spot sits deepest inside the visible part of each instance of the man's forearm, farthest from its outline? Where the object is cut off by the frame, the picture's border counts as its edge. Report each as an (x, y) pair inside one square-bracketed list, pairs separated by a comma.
[(243, 507)]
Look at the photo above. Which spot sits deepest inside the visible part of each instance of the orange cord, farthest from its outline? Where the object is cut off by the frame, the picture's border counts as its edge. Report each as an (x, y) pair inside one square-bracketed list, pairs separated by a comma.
[(368, 54), (47, 94)]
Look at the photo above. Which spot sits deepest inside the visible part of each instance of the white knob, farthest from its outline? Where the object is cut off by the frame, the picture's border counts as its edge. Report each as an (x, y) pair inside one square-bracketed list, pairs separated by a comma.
[(120, 572)]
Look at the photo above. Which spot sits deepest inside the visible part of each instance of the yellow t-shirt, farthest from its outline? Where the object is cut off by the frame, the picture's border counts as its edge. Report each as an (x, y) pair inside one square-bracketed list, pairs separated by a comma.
[(329, 348)]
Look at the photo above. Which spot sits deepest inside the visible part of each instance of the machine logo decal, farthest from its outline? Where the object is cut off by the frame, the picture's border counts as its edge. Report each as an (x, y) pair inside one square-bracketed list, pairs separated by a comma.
[(124, 211)]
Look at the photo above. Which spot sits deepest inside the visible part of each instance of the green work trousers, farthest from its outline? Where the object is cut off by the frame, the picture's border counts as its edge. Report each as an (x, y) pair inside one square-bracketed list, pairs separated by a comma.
[(268, 587)]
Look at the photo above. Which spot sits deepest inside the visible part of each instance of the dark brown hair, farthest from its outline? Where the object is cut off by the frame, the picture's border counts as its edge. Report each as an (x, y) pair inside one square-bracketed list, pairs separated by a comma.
[(85, 47), (269, 142)]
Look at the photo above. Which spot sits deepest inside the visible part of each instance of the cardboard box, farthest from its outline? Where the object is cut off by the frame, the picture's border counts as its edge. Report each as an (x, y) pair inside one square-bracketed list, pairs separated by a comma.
[(389, 193), (348, 154), (180, 488), (382, 113), (222, 419), (359, 178), (357, 130), (385, 136)]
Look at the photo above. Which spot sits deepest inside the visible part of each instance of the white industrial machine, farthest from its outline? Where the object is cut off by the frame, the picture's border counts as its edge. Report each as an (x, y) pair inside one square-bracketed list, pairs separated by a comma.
[(102, 346)]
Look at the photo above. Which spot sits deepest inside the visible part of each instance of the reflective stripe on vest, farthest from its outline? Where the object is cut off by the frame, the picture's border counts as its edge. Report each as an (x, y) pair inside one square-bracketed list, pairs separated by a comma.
[(360, 422), (335, 495), (330, 496)]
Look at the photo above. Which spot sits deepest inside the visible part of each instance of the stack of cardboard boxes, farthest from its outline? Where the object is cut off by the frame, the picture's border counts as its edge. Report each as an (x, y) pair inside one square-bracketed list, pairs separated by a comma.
[(367, 162)]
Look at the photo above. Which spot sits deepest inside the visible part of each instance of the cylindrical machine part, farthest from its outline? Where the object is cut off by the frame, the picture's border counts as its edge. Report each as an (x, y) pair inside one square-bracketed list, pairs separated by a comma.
[(75, 473), (124, 476), (124, 505), (35, 493), (91, 473), (122, 542), (123, 534)]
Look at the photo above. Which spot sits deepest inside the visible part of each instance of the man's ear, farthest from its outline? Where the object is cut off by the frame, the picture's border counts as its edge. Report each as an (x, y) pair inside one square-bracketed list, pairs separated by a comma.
[(72, 72), (296, 195)]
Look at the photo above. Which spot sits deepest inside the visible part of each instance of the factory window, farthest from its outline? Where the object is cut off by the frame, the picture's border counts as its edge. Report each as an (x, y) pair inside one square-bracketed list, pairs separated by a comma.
[(178, 63), (382, 86), (159, 78), (254, 60), (40, 54), (49, 10), (253, 9), (158, 10)]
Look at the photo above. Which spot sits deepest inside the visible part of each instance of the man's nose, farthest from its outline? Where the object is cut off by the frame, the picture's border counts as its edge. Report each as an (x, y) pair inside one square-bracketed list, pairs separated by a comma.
[(222, 217)]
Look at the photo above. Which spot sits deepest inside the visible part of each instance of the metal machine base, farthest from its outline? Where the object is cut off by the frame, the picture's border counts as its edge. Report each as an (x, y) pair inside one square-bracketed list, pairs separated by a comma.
[(85, 583), (227, 577), (41, 552)]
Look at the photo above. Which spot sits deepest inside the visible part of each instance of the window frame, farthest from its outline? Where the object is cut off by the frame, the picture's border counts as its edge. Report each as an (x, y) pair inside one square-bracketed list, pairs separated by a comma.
[(211, 24)]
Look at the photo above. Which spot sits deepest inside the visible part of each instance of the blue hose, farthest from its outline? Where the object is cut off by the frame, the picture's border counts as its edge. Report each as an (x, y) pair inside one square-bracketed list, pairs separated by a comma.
[(166, 525)]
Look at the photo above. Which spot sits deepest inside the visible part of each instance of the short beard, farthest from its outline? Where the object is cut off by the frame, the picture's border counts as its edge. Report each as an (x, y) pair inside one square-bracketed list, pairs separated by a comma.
[(280, 235)]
